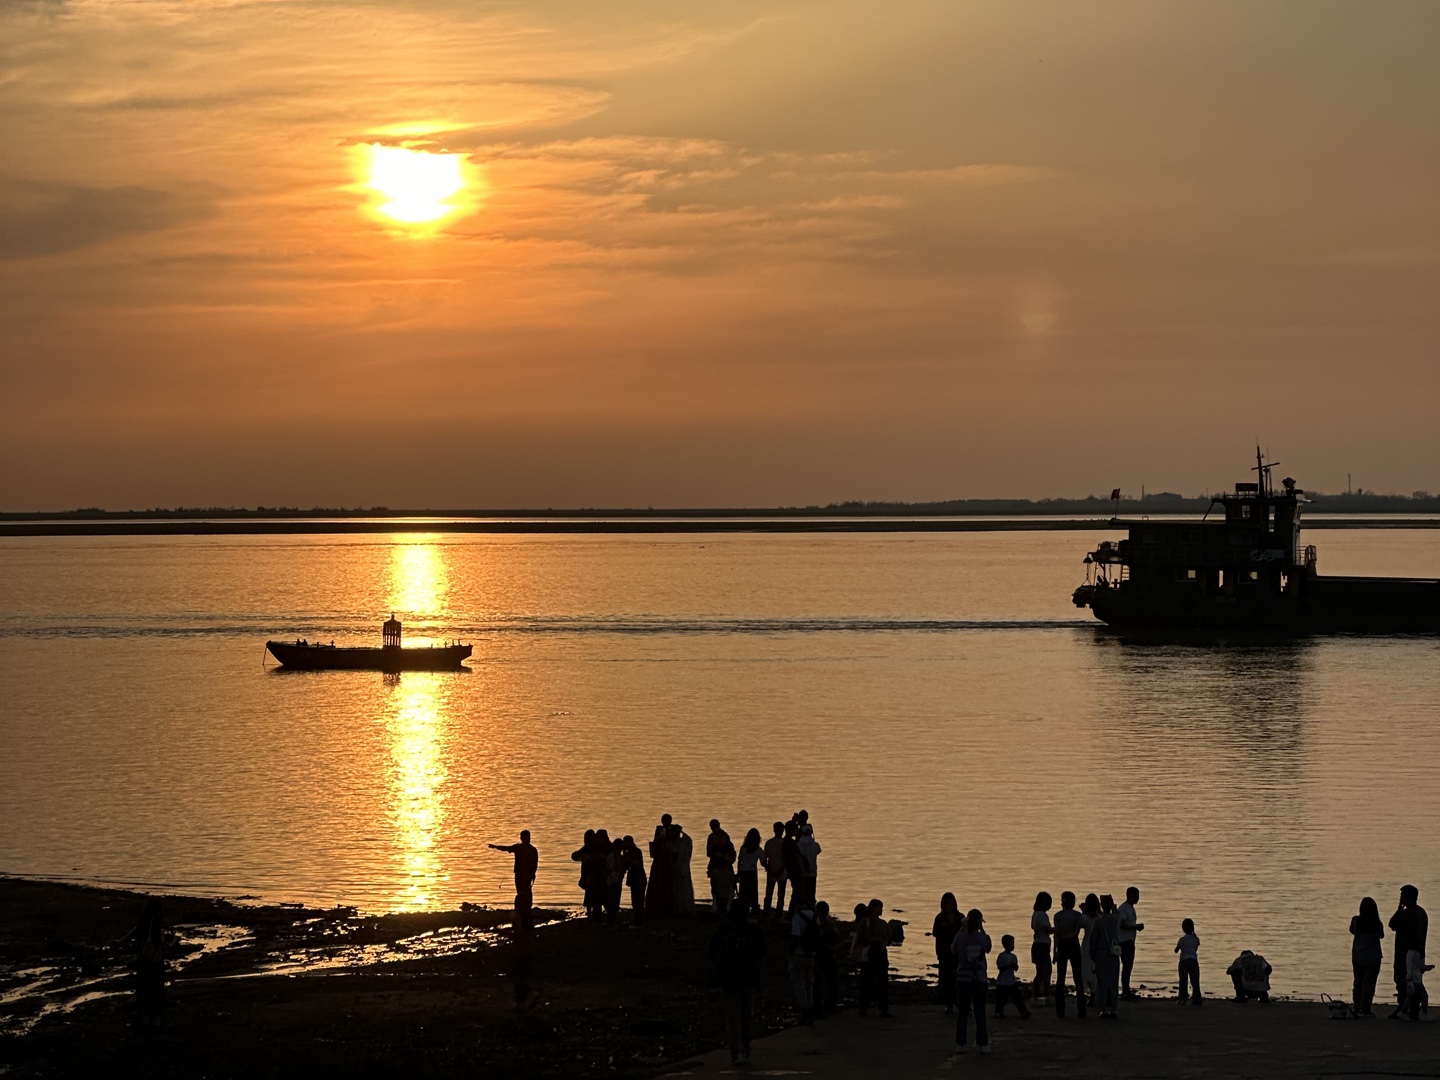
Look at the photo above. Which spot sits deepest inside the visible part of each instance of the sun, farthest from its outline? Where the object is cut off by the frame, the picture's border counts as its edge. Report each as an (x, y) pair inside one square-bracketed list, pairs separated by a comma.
[(414, 187)]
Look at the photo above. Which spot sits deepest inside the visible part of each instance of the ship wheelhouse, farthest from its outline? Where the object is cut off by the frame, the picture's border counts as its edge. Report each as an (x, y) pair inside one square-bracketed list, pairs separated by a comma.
[(1243, 569), (1247, 554)]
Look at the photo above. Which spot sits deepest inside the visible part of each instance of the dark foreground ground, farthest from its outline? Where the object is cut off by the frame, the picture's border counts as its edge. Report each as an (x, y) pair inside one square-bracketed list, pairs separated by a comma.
[(262, 991), (265, 992), (1154, 1038)]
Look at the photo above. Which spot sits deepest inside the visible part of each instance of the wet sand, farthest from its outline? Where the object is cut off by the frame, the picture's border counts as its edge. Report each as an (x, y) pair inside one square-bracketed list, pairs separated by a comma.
[(266, 991), (278, 991)]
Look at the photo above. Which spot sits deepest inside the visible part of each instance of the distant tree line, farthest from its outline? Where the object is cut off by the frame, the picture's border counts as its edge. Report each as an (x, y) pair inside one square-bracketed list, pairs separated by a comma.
[(1160, 502)]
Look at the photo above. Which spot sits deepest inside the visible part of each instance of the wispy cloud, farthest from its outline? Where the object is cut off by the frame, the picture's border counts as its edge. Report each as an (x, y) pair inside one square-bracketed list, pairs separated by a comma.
[(40, 220)]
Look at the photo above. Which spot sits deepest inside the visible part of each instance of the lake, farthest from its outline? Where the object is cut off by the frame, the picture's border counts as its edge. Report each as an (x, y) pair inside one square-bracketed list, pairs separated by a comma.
[(948, 718)]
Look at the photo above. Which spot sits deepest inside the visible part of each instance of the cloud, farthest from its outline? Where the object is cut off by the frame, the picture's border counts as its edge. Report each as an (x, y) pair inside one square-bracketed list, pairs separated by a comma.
[(981, 175), (38, 220)]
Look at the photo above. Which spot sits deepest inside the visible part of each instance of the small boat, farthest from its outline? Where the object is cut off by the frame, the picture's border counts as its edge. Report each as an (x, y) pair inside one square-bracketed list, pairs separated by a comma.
[(301, 655)]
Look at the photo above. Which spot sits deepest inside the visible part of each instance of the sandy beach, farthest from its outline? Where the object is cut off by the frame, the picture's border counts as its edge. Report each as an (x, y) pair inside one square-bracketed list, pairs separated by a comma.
[(279, 991)]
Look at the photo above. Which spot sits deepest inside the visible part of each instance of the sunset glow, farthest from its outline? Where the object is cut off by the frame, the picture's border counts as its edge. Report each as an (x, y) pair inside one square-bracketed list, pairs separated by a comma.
[(414, 187), (708, 255)]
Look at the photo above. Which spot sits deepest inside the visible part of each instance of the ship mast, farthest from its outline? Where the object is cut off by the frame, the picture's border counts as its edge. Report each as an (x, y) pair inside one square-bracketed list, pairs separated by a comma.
[(1262, 471)]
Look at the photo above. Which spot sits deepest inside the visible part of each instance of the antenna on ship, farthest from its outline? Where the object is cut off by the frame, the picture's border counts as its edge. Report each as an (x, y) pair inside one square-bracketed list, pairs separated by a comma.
[(1262, 471)]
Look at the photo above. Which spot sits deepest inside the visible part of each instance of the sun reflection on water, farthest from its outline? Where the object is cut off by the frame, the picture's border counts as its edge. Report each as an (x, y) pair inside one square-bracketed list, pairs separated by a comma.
[(417, 725), (419, 580)]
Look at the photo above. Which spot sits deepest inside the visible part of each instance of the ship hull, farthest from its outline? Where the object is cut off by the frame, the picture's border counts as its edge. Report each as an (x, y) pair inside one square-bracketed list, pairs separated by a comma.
[(1325, 605), (331, 658)]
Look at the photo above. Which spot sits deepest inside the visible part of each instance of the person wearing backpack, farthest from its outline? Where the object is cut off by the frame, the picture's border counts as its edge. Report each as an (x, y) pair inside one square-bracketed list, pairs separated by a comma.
[(970, 946), (804, 943), (737, 948)]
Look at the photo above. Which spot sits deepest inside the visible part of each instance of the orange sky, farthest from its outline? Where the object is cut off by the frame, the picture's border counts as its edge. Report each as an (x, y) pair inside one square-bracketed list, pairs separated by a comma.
[(716, 254)]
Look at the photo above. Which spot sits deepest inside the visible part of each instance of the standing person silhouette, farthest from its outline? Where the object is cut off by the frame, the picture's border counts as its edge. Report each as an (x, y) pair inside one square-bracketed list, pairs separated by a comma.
[(1188, 949), (774, 862), (827, 973), (1090, 911), (804, 944), (527, 864), (794, 861), (737, 948), (614, 875), (1104, 944), (748, 861), (684, 883), (1068, 924), (720, 867), (1040, 947), (810, 866), (971, 945), (947, 924), (875, 974), (1129, 927), (635, 878), (1411, 924), (660, 891), (1007, 980), (149, 939), (592, 875), (1367, 955)]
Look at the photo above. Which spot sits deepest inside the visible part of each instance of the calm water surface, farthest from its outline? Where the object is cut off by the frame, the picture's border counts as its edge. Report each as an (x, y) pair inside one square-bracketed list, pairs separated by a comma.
[(947, 717)]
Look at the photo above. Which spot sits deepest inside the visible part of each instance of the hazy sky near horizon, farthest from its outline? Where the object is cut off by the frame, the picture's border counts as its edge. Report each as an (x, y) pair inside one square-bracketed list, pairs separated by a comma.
[(732, 253)]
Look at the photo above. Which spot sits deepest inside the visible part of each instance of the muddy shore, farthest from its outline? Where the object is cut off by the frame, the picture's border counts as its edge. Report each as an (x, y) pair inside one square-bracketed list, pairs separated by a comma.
[(287, 991), (277, 991)]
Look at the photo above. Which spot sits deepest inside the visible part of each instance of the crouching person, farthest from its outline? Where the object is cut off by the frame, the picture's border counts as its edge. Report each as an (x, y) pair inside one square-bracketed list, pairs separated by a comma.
[(1251, 976)]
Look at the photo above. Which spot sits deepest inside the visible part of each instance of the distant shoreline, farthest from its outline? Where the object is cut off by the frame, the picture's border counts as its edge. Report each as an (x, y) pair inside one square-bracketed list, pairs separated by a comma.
[(657, 525)]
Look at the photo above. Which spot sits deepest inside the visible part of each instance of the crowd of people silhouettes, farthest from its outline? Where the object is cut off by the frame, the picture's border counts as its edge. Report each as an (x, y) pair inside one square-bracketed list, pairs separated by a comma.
[(1088, 947), (1086, 950)]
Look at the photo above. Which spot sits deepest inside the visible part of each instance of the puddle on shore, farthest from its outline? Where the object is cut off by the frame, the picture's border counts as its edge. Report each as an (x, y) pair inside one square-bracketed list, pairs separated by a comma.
[(30, 993), (449, 941)]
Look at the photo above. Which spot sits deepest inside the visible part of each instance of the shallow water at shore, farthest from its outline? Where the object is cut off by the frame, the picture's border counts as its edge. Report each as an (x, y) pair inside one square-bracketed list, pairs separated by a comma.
[(949, 720)]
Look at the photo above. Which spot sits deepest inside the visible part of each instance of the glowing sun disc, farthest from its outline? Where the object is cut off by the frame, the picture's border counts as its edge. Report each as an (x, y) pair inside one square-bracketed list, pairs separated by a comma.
[(413, 187)]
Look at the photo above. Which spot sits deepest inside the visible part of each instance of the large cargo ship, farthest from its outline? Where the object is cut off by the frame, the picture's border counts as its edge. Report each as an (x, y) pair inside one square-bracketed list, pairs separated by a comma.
[(1247, 571), (390, 657)]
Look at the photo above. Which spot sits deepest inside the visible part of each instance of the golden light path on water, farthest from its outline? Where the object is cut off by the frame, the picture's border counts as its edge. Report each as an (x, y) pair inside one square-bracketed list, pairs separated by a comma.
[(419, 582), (417, 728)]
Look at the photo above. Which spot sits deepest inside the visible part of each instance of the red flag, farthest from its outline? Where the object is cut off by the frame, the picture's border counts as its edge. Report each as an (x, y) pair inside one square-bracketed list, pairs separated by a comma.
[(1115, 495)]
